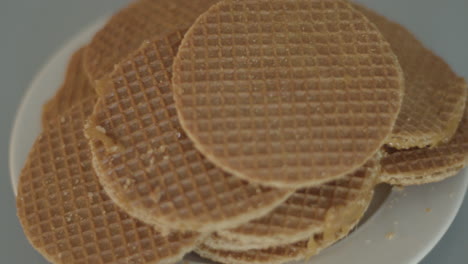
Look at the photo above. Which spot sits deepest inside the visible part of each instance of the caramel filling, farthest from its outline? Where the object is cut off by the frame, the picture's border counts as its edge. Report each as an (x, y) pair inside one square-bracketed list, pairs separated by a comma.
[(338, 220), (99, 133)]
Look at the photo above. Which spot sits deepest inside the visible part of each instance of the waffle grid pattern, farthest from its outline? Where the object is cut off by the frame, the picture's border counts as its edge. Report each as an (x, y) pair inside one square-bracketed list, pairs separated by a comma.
[(303, 214), (415, 166), (423, 178), (280, 254), (75, 88), (67, 215), (160, 177), (140, 21), (434, 98), (248, 93)]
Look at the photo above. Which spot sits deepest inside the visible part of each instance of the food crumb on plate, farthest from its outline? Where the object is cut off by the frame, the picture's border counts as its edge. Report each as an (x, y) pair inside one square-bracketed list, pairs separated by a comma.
[(390, 235)]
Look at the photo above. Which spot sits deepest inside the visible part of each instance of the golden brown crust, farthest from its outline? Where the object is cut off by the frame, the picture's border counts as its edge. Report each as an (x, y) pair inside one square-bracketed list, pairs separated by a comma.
[(74, 89), (428, 177), (67, 216), (159, 176), (284, 253), (307, 96), (140, 21), (434, 98), (425, 165), (306, 212)]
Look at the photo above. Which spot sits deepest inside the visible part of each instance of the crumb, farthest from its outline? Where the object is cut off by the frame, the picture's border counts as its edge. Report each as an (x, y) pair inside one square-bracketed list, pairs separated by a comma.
[(178, 134), (166, 157), (162, 149), (119, 80), (80, 217), (48, 180), (128, 183), (114, 149), (152, 160), (69, 217), (101, 129), (99, 133), (390, 235), (428, 210), (62, 119), (90, 195)]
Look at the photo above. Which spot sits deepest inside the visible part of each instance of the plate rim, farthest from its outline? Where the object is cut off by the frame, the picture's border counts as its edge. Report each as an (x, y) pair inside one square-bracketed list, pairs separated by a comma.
[(89, 29), (61, 51)]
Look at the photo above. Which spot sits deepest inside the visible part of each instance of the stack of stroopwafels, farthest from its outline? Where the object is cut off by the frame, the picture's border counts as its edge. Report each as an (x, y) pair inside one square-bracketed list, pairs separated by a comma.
[(247, 131)]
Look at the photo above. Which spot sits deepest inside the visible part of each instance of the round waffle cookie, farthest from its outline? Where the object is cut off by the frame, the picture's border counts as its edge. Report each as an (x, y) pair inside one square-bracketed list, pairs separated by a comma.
[(127, 29), (305, 213), (425, 165), (75, 88), (147, 164), (284, 253), (66, 214), (434, 97), (286, 93)]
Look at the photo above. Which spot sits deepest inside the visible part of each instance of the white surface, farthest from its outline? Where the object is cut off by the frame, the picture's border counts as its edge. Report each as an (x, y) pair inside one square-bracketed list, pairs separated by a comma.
[(403, 213)]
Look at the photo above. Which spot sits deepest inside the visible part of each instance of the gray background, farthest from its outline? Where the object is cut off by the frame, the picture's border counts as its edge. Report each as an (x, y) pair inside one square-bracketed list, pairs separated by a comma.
[(31, 31)]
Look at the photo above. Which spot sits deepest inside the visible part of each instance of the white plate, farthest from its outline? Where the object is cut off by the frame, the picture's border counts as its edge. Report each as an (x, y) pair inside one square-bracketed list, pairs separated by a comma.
[(402, 213)]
